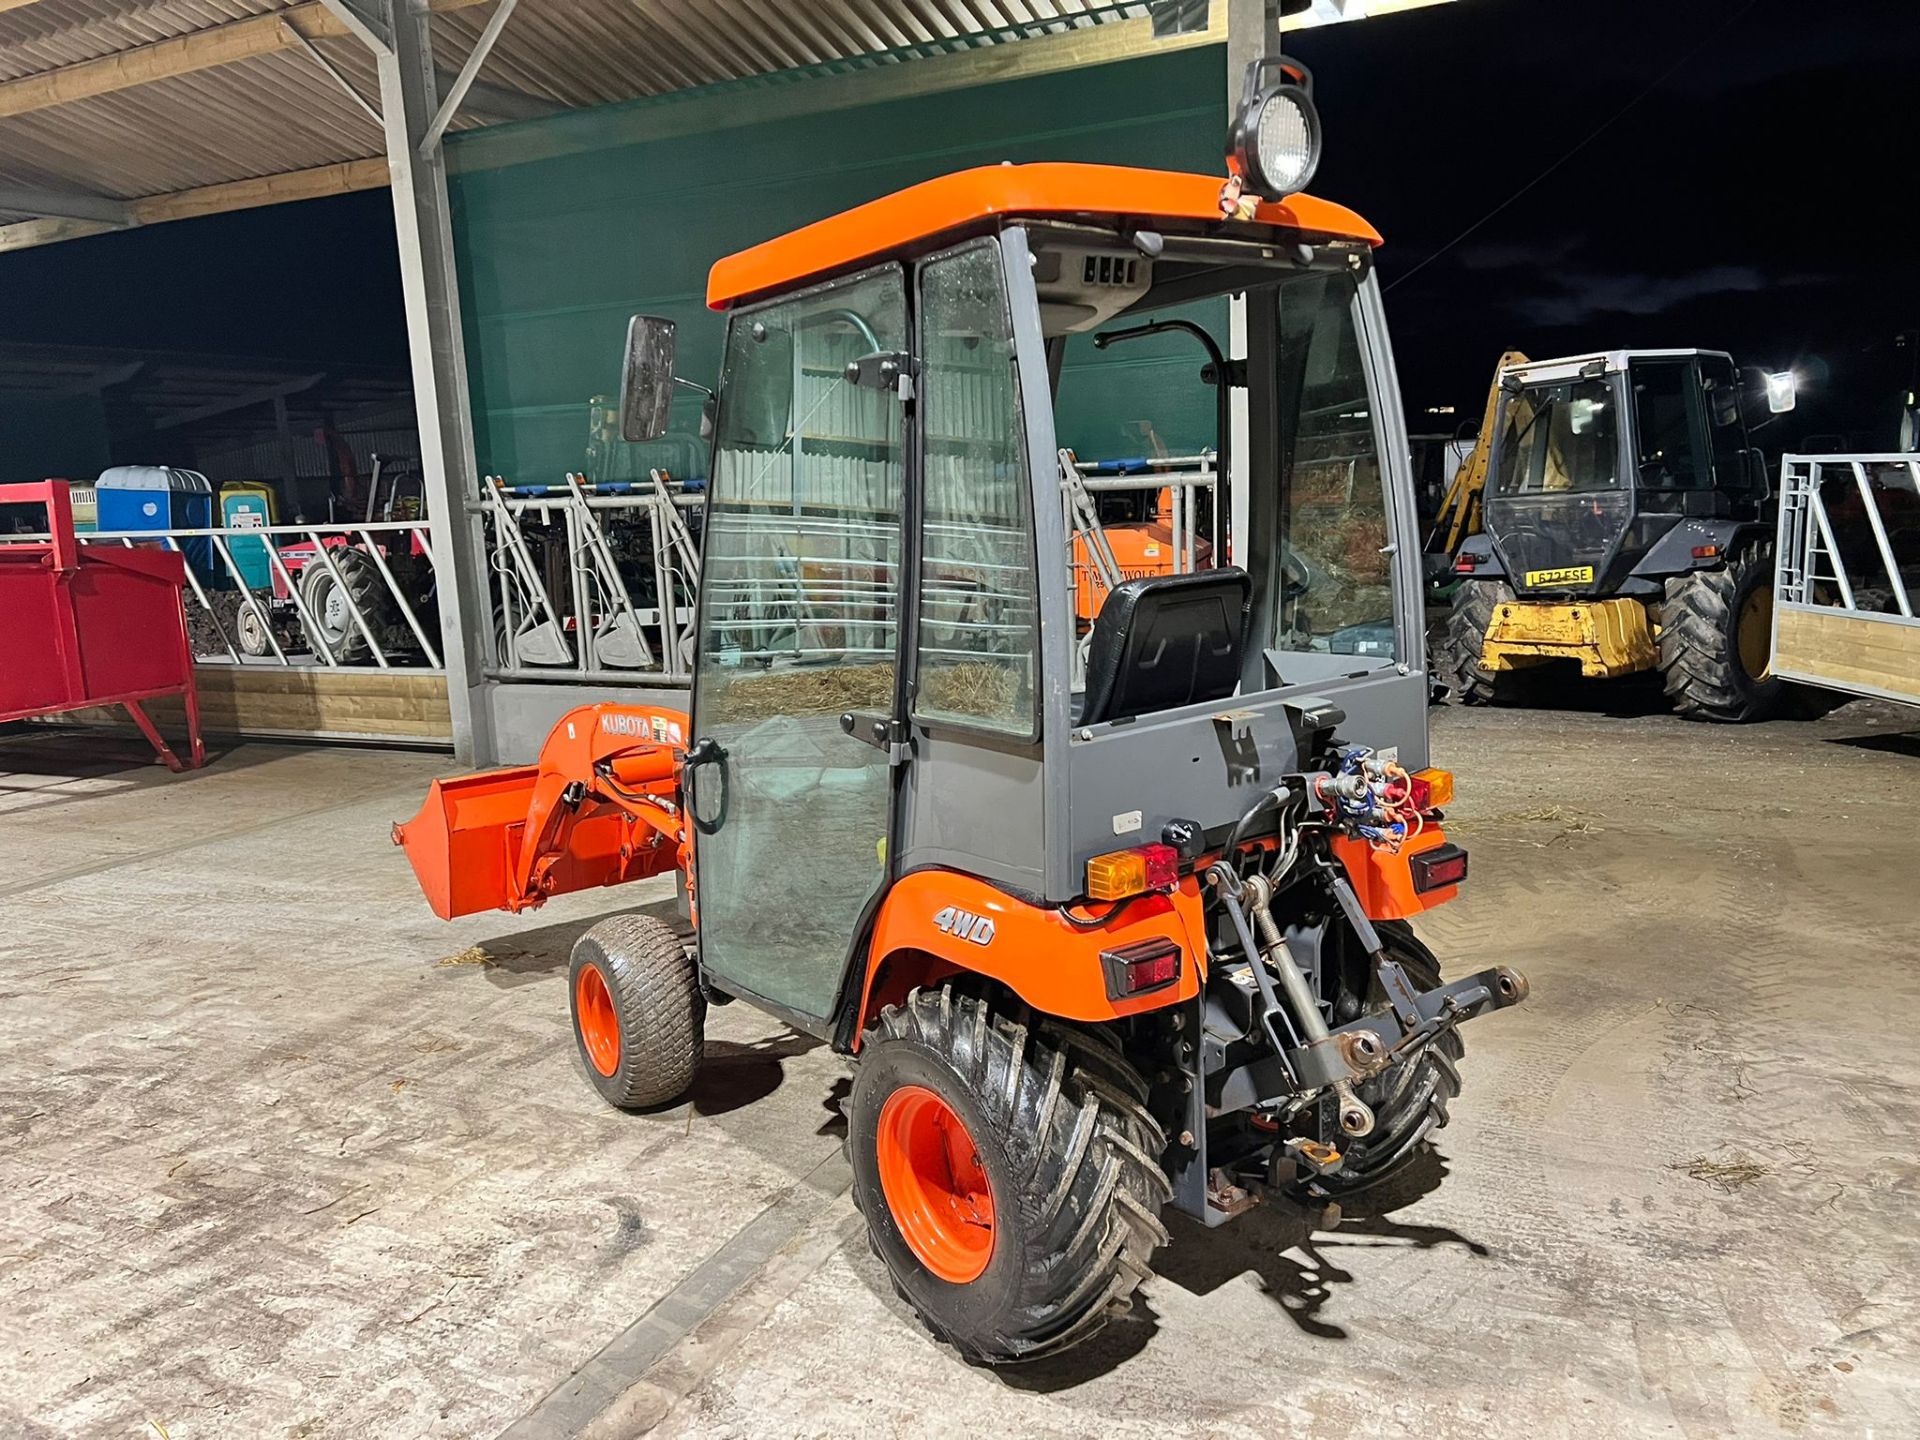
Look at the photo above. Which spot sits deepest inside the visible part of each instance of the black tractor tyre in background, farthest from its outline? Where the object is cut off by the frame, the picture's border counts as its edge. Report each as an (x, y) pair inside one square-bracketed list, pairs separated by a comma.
[(1409, 1100), (639, 1018), (368, 589), (1468, 680), (1055, 1122), (1715, 635)]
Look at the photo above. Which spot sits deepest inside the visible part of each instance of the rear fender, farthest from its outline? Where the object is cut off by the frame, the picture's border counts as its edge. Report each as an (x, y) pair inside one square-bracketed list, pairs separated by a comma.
[(937, 923), (1382, 880), (1487, 564), (1672, 553)]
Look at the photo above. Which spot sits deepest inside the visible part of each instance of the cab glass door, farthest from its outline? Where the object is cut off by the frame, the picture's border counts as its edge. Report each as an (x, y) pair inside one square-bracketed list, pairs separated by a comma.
[(799, 598)]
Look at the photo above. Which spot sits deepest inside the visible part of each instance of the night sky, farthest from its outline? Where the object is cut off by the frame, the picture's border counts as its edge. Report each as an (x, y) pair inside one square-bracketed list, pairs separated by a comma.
[(1754, 192)]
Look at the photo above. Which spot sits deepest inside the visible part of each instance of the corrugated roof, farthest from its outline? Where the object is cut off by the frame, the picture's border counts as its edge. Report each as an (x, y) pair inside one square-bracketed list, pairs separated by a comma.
[(130, 100)]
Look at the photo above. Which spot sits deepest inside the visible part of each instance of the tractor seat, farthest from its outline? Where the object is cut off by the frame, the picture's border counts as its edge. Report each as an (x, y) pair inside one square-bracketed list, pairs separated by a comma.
[(1166, 641)]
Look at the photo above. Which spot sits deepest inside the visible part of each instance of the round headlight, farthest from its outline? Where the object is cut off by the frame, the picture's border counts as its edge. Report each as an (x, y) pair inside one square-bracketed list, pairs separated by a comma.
[(1286, 142), (1275, 146)]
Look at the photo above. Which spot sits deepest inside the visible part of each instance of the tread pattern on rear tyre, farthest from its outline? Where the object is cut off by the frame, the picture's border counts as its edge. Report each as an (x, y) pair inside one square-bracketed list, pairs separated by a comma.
[(656, 992), (1409, 1100), (369, 591), (1069, 1111), (1468, 679), (1699, 642)]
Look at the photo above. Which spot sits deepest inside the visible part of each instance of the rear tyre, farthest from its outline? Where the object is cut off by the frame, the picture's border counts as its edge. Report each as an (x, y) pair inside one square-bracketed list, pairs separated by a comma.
[(1409, 1100), (1716, 632), (1472, 683), (332, 618), (1008, 1174), (639, 1018)]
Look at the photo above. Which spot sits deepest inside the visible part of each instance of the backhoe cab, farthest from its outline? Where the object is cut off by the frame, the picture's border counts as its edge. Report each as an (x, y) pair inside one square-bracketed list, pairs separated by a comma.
[(1627, 527), (1104, 929)]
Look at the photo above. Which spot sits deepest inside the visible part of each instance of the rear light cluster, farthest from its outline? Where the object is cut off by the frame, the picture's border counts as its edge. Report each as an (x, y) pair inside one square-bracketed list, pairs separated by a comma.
[(1466, 564), (1438, 868), (1430, 789), (1140, 967), (1705, 552), (1121, 873)]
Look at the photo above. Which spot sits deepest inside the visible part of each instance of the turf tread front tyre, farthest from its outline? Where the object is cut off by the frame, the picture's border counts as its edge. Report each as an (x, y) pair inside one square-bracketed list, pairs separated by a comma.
[(1059, 1120), (1700, 663), (656, 996)]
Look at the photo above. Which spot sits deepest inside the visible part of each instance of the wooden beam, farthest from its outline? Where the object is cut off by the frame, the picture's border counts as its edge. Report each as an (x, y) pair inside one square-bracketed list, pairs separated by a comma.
[(183, 55), (369, 174)]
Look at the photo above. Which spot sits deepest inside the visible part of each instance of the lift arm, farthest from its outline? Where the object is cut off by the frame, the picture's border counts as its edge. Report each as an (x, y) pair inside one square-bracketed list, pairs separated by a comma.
[(601, 806)]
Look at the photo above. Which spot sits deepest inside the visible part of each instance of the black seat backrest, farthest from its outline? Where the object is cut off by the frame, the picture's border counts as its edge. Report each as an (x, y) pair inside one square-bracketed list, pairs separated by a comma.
[(1166, 641)]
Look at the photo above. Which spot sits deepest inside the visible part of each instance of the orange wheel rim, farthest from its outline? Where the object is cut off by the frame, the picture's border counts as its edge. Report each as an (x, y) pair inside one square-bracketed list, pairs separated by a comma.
[(935, 1185), (598, 1021)]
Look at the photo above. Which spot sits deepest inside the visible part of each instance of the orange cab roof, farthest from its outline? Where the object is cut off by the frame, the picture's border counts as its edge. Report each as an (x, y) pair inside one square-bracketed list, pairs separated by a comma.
[(966, 198)]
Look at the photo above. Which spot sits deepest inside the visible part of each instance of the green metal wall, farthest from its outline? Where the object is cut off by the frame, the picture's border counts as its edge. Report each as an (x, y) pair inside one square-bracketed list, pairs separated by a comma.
[(565, 227)]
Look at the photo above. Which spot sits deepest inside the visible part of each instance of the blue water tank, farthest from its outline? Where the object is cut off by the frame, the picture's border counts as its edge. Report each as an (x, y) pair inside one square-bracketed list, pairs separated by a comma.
[(159, 497)]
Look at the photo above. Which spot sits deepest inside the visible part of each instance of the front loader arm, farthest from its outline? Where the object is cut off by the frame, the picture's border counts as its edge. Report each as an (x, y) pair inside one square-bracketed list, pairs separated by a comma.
[(601, 806)]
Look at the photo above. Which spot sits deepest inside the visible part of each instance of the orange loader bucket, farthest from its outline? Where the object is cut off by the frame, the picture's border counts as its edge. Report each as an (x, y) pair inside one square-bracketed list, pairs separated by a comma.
[(465, 840)]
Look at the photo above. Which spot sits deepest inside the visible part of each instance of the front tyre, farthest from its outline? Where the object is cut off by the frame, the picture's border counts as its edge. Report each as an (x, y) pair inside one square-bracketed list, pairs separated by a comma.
[(639, 1018), (1009, 1176), (1716, 638)]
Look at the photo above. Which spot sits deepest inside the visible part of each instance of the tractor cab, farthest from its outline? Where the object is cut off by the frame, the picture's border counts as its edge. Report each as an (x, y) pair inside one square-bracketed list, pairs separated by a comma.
[(890, 679), (1597, 459)]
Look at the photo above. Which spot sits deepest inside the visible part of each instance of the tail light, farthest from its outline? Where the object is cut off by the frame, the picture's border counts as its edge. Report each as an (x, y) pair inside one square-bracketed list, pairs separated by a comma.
[(1705, 552), (1120, 873), (1466, 564), (1438, 868), (1140, 967), (1431, 789)]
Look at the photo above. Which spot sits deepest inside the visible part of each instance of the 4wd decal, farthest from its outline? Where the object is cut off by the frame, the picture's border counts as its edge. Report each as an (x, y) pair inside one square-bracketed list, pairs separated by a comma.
[(964, 925)]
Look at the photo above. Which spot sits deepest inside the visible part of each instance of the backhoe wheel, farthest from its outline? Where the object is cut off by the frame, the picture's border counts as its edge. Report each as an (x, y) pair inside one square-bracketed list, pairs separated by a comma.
[(1473, 606), (1009, 1175), (1716, 637), (638, 1015), (1409, 1100)]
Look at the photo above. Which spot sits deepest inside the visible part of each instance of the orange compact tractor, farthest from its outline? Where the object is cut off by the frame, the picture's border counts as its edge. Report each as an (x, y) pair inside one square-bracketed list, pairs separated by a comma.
[(1101, 937)]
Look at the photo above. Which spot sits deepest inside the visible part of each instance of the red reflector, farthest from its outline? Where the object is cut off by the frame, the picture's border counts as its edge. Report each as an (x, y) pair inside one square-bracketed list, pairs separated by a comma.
[(1142, 966), (1163, 865), (1705, 552), (1466, 563), (1438, 868)]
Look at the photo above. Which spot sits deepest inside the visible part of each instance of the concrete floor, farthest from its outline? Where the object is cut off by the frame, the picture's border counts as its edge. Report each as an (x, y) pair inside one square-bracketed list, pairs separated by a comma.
[(284, 1155)]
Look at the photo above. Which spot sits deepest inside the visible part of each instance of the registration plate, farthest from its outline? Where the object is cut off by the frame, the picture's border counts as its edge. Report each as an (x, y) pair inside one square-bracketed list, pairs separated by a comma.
[(1567, 575)]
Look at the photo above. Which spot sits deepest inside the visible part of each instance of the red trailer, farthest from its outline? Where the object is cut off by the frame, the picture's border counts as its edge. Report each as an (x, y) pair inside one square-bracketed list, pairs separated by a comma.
[(95, 625)]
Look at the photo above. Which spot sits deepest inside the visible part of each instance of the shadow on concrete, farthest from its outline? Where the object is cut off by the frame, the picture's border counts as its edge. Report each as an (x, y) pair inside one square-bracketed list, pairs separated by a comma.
[(1897, 742), (1277, 1243), (733, 1075), (35, 758), (521, 957)]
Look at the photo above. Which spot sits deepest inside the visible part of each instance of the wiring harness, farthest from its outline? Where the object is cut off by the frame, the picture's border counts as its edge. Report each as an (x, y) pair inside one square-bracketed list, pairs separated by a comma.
[(1373, 798)]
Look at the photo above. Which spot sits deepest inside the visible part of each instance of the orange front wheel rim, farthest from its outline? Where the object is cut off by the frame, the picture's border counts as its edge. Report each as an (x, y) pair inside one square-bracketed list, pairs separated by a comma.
[(599, 1022), (935, 1185)]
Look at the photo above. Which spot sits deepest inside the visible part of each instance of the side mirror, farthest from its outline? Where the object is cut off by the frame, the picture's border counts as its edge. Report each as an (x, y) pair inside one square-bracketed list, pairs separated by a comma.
[(646, 378)]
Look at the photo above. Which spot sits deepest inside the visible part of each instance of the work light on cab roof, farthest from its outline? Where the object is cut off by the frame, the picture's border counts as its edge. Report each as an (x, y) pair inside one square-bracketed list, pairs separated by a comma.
[(1274, 147)]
